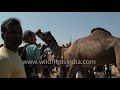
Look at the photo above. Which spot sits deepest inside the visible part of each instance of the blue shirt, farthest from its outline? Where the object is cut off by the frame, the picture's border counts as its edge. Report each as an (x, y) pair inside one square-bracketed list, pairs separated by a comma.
[(32, 52), (32, 55)]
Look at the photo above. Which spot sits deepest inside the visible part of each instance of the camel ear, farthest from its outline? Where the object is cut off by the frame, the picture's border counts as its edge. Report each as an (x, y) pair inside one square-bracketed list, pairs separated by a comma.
[(49, 33)]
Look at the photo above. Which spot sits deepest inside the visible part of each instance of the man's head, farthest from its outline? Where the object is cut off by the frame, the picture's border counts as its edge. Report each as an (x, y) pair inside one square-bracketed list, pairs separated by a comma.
[(11, 32), (29, 36)]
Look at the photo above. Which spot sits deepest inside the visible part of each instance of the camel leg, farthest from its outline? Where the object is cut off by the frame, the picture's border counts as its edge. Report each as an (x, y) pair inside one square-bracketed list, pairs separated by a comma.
[(62, 71), (72, 70), (84, 72), (117, 53)]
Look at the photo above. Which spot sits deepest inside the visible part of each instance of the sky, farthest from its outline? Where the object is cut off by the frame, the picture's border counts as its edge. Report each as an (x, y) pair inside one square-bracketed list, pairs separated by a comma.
[(66, 26)]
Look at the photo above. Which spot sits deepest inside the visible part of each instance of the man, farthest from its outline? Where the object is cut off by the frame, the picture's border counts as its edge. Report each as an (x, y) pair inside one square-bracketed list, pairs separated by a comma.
[(108, 70), (11, 65), (34, 69)]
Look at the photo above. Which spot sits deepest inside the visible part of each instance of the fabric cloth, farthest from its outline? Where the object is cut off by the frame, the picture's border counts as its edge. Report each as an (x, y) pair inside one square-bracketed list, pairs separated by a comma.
[(11, 65)]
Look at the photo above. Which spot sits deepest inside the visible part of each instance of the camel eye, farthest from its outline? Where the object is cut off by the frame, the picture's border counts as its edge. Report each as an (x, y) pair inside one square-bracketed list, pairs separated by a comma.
[(49, 38)]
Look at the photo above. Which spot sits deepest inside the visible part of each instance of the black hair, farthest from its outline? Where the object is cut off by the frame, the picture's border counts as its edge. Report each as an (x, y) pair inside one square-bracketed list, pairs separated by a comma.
[(9, 22), (26, 34)]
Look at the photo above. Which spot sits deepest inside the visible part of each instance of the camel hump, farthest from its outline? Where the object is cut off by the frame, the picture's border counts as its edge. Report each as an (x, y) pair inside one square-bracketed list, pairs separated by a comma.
[(98, 29)]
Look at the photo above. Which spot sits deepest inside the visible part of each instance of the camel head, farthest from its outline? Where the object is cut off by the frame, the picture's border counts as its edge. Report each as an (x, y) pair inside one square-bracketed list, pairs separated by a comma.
[(47, 37)]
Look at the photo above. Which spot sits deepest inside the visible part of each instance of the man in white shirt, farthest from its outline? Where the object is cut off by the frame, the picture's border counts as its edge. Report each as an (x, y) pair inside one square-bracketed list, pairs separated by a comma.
[(11, 65)]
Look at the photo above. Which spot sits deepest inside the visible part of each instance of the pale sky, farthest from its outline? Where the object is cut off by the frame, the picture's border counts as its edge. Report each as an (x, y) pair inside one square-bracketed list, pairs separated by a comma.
[(65, 24)]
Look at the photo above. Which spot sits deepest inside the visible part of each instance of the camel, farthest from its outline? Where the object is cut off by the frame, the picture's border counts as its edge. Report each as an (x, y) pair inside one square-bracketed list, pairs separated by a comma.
[(99, 46)]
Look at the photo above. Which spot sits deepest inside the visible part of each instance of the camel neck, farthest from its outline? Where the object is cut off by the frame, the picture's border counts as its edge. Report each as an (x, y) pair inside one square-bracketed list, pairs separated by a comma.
[(56, 49)]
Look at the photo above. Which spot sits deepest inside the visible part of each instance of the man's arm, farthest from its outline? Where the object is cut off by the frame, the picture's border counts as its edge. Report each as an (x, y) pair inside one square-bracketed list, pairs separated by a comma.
[(4, 68), (39, 66), (43, 48)]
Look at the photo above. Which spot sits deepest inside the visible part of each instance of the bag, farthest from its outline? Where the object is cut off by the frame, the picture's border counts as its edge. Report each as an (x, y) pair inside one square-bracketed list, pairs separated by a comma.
[(28, 68)]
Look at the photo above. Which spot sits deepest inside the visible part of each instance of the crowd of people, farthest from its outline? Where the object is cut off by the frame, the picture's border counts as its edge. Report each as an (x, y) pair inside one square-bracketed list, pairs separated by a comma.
[(103, 71), (20, 46)]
